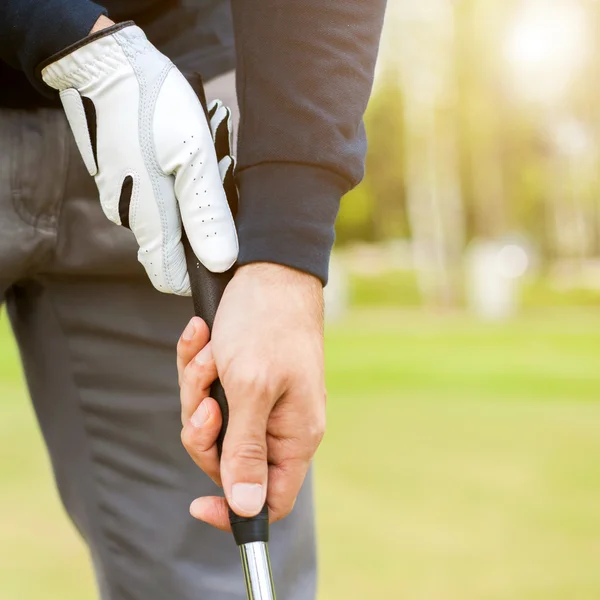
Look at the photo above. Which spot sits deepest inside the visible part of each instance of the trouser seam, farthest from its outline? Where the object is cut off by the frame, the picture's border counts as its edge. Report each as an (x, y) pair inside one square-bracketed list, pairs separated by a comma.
[(91, 503), (58, 213)]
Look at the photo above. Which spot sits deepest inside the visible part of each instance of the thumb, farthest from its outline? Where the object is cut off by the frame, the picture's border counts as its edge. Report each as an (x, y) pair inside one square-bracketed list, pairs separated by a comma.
[(244, 467), (184, 147)]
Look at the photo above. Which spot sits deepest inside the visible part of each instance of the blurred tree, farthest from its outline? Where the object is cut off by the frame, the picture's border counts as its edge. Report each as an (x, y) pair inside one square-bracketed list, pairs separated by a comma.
[(385, 164), (484, 122), (480, 115), (375, 209), (426, 44)]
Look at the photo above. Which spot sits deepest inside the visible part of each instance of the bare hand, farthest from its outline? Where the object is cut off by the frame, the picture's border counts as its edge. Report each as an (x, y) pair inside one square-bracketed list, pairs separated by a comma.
[(267, 346)]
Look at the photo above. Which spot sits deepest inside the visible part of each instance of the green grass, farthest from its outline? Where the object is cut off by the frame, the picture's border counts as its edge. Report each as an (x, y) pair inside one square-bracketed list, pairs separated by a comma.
[(400, 288), (462, 462), (538, 292)]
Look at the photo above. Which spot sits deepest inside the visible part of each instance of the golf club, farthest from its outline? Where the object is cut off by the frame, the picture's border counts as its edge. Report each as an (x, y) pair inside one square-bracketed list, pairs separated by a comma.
[(250, 534)]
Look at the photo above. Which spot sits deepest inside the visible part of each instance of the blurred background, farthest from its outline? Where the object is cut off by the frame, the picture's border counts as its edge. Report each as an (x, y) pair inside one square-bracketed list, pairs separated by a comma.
[(462, 459)]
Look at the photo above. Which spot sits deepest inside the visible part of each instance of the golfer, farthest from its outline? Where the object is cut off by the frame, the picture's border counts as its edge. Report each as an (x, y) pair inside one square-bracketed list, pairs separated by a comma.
[(106, 155)]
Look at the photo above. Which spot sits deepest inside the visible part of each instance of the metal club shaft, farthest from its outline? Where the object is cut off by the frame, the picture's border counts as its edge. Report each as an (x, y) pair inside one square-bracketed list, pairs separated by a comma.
[(257, 571), (251, 534)]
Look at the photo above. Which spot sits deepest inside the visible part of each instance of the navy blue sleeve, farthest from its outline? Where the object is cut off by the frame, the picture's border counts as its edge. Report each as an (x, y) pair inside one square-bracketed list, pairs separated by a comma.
[(304, 76), (33, 30)]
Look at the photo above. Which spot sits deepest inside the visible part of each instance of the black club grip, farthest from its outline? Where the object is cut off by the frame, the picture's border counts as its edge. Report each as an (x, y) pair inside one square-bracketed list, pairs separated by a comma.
[(207, 290)]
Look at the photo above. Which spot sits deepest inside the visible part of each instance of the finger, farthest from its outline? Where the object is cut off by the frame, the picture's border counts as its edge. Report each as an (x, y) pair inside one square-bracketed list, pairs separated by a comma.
[(211, 109), (212, 510), (291, 452), (199, 437), (226, 169), (207, 217), (194, 337), (202, 202), (244, 460), (196, 380), (285, 482), (222, 130), (186, 150), (221, 127), (158, 233)]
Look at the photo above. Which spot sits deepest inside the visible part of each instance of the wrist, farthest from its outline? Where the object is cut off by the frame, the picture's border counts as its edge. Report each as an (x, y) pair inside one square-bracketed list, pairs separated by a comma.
[(84, 62), (276, 272), (102, 23), (290, 290)]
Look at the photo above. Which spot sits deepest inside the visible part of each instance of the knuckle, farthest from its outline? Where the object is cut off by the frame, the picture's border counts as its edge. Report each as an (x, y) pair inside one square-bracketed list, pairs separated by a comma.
[(253, 383), (189, 375), (315, 434), (187, 438), (196, 441), (199, 370), (194, 373), (250, 453), (315, 430), (183, 349)]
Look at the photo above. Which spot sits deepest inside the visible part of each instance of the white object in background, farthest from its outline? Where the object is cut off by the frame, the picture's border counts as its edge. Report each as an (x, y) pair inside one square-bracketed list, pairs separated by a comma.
[(337, 291), (493, 271)]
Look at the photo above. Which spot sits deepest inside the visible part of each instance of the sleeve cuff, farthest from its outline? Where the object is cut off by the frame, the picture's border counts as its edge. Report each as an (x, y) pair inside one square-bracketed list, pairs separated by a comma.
[(287, 214)]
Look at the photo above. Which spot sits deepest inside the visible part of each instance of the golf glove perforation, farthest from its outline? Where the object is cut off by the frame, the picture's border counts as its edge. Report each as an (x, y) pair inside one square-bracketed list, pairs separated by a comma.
[(145, 138)]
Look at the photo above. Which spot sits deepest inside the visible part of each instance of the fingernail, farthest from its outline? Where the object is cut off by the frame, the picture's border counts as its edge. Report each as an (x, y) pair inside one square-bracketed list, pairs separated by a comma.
[(200, 416), (189, 331), (205, 355), (247, 497), (196, 507)]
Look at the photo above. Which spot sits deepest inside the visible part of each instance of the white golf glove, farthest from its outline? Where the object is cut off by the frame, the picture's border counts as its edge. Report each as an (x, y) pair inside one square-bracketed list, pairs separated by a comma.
[(144, 136)]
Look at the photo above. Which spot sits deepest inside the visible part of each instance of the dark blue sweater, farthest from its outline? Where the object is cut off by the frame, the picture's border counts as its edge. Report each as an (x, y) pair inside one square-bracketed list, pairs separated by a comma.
[(304, 75)]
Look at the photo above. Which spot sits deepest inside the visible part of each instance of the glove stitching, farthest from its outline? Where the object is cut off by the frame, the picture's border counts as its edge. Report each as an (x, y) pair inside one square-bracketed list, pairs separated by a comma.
[(133, 43), (147, 103), (93, 69), (133, 207), (156, 172)]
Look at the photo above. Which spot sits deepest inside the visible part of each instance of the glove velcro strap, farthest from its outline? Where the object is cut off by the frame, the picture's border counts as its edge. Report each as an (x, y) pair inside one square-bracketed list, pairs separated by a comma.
[(87, 59)]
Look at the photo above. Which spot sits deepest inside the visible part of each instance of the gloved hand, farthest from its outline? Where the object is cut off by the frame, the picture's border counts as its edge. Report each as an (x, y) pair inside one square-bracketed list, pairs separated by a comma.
[(144, 136)]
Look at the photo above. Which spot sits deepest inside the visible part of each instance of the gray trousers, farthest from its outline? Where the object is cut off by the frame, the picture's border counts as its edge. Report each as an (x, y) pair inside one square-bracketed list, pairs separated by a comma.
[(98, 347)]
